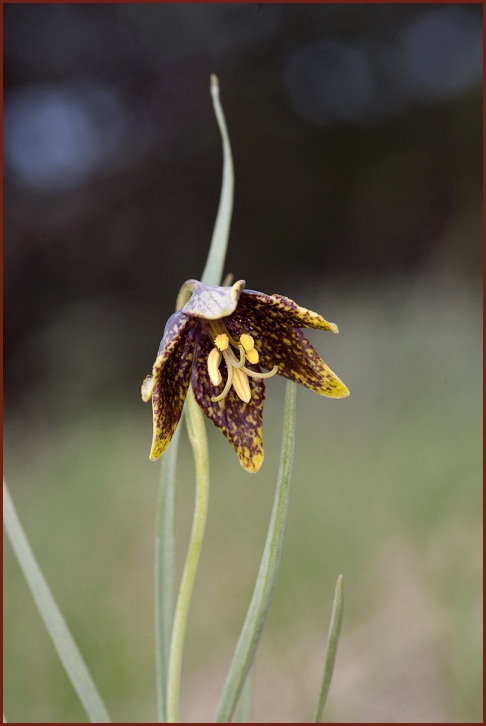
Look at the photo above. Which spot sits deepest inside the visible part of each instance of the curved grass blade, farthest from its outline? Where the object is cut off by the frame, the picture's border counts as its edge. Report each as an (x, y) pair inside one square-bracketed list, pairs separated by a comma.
[(62, 639), (262, 594), (332, 644), (213, 270)]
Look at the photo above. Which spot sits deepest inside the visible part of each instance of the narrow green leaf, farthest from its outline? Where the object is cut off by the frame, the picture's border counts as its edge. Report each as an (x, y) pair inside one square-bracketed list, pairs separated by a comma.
[(164, 571), (62, 639), (262, 594), (213, 271), (332, 644)]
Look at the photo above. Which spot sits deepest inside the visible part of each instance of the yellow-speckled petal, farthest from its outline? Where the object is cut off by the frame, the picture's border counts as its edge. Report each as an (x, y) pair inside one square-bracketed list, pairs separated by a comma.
[(173, 331), (282, 310), (169, 391), (240, 422), (290, 350)]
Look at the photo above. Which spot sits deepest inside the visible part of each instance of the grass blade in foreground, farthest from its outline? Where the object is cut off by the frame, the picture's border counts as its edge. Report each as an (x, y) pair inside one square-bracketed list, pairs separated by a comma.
[(66, 648), (164, 572), (332, 644), (262, 594)]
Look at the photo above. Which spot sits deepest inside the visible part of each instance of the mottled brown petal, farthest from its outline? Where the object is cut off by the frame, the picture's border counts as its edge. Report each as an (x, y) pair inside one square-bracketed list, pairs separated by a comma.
[(170, 390), (173, 331), (291, 351), (281, 310), (240, 422)]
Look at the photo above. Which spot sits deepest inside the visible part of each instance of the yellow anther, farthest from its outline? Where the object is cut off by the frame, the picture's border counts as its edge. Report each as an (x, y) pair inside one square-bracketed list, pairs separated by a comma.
[(214, 359), (247, 341), (241, 385), (221, 341), (238, 375), (252, 355)]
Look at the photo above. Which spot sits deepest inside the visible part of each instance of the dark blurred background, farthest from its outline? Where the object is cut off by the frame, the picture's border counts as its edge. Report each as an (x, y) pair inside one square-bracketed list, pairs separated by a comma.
[(356, 134), (356, 139)]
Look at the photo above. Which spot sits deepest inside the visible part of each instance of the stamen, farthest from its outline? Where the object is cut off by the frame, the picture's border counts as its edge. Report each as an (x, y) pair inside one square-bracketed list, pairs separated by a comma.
[(231, 360), (221, 341), (233, 341), (247, 341), (214, 359), (241, 385), (254, 374), (225, 390), (228, 348)]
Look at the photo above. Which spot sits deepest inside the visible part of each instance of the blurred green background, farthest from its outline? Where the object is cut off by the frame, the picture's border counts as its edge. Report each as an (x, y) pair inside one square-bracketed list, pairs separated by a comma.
[(356, 133)]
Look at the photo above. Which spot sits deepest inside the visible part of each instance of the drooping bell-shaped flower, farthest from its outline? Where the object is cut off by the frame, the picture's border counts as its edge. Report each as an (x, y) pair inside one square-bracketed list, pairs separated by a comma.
[(219, 342)]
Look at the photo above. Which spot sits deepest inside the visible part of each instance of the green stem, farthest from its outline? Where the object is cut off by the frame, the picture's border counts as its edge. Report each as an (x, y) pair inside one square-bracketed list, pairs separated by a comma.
[(164, 572), (243, 707), (62, 639), (332, 644), (197, 437), (265, 584), (168, 660)]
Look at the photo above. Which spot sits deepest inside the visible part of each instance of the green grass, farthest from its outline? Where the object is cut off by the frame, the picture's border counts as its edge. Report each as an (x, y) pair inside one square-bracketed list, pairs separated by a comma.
[(386, 490)]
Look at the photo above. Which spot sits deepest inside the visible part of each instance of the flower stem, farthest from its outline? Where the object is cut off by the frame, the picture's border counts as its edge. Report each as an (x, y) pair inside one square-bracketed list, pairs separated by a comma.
[(169, 661), (198, 439), (243, 707), (164, 572), (265, 584), (332, 644)]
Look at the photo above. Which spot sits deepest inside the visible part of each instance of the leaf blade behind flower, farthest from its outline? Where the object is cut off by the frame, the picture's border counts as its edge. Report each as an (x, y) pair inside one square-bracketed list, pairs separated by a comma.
[(265, 584), (213, 270)]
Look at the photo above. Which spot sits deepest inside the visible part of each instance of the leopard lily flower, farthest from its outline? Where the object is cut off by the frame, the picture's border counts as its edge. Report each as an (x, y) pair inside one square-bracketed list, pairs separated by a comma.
[(219, 341)]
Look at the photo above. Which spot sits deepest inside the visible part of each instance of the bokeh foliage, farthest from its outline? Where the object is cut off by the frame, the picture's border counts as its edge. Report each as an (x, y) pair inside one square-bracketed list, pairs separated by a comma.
[(386, 491)]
